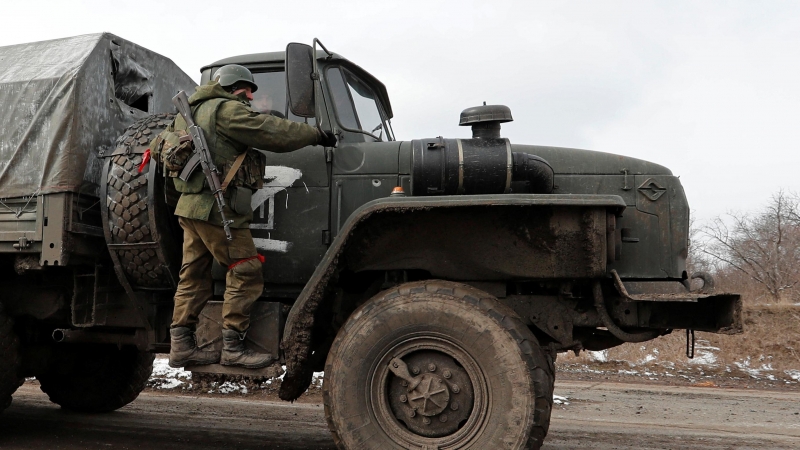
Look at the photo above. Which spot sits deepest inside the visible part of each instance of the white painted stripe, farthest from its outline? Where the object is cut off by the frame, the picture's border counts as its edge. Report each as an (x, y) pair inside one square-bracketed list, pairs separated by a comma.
[(272, 245), (282, 177)]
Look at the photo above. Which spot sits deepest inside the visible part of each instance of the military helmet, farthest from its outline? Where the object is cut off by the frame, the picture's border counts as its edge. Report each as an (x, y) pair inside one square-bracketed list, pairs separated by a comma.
[(231, 74)]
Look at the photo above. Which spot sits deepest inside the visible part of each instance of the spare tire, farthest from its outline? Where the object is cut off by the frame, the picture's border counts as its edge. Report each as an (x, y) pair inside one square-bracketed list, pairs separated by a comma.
[(142, 233)]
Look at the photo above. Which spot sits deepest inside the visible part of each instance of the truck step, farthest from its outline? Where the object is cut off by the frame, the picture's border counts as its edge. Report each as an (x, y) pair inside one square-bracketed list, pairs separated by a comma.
[(271, 371)]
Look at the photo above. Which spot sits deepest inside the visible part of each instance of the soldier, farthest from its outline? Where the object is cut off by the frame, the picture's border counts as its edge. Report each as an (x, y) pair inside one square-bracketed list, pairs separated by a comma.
[(221, 108)]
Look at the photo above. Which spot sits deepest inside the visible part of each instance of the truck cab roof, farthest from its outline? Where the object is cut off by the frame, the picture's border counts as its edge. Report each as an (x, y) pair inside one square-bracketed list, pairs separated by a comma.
[(254, 60)]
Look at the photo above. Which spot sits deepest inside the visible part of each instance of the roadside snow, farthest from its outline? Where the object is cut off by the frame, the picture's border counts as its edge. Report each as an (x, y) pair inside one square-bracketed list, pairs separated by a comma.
[(704, 354), (757, 372), (229, 388), (560, 400), (166, 377), (601, 356), (649, 358)]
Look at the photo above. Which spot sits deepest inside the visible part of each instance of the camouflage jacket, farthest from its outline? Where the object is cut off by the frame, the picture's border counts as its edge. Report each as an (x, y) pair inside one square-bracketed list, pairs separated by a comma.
[(231, 128)]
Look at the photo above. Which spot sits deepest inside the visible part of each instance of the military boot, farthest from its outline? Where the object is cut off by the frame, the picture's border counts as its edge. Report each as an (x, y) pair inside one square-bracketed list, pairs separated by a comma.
[(183, 349), (235, 354)]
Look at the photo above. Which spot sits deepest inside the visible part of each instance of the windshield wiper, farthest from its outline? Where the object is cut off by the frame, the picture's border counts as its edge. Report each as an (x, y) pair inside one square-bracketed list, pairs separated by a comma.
[(379, 127)]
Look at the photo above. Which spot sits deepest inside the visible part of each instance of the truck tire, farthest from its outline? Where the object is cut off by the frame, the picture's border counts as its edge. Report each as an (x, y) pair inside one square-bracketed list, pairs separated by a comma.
[(96, 378), (477, 377), (9, 360), (136, 212)]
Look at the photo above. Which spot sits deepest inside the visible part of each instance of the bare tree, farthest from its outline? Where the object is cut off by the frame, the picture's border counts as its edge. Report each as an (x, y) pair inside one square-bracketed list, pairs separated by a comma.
[(697, 260), (764, 245)]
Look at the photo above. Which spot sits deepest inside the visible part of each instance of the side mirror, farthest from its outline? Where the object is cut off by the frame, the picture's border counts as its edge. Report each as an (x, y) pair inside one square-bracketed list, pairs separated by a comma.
[(300, 79)]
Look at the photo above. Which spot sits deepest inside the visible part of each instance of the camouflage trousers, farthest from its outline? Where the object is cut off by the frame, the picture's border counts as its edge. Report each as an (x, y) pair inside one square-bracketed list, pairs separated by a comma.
[(202, 243)]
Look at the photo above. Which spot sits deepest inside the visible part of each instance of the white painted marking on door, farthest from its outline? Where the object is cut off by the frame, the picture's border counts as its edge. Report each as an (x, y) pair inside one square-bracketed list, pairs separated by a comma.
[(272, 245), (281, 177)]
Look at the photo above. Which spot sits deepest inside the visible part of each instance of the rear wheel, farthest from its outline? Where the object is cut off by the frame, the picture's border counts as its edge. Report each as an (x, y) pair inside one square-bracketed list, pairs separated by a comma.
[(437, 365), (96, 378), (9, 360)]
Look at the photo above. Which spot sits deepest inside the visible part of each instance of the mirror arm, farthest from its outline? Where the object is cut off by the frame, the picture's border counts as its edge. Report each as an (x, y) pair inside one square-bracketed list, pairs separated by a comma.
[(317, 41), (318, 91), (317, 83)]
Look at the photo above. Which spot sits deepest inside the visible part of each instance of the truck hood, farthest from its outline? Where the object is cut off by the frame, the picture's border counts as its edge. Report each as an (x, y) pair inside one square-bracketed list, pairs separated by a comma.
[(576, 161)]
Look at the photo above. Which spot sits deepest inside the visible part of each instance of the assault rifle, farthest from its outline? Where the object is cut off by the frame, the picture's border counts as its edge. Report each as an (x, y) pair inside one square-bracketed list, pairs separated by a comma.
[(203, 154)]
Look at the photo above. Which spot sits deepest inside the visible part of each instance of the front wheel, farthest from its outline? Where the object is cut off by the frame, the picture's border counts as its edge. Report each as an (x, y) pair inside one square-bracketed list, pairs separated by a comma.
[(95, 378), (440, 365)]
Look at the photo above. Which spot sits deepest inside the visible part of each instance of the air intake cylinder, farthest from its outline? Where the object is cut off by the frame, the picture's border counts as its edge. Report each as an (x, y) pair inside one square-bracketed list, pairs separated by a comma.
[(484, 164)]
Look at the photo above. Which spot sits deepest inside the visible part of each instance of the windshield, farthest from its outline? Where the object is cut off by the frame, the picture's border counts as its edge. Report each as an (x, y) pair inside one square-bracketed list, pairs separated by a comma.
[(356, 104)]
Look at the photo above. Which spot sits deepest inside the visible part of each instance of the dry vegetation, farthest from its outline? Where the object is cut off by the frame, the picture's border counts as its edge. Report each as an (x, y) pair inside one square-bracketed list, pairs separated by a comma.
[(755, 254)]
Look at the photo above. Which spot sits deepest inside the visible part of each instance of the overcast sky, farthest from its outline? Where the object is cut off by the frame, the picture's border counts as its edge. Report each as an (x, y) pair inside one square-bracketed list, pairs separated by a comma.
[(709, 89)]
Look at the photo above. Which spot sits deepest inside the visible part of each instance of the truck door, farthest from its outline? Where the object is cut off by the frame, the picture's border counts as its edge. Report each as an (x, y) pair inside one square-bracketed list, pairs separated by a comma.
[(365, 162), (290, 222)]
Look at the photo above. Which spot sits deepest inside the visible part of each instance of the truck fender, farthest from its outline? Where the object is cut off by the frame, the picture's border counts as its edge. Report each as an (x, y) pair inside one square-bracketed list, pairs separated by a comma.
[(381, 221)]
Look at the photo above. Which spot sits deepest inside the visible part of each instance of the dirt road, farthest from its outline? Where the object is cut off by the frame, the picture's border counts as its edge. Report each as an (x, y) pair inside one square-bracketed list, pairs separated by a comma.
[(635, 416), (601, 416)]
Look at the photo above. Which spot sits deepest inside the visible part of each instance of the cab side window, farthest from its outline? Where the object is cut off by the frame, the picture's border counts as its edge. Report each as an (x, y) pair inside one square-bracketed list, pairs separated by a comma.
[(341, 99)]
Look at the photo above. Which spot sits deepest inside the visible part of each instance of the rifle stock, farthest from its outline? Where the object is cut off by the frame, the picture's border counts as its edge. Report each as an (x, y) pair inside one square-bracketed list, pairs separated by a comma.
[(202, 155)]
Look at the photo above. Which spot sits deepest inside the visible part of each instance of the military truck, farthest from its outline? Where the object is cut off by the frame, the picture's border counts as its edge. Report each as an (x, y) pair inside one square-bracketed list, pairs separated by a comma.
[(433, 280)]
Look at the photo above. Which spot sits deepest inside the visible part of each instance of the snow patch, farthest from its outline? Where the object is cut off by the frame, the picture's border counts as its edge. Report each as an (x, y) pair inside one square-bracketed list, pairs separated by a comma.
[(162, 369), (316, 380), (704, 354), (756, 372), (230, 387), (560, 400), (601, 356), (169, 384), (649, 358), (166, 377)]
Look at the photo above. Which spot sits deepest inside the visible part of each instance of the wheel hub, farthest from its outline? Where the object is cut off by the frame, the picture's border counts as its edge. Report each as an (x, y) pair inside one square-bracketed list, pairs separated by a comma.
[(430, 393), (431, 396)]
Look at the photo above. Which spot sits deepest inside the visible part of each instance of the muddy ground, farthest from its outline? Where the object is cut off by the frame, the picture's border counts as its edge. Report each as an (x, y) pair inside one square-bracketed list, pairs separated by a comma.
[(595, 414)]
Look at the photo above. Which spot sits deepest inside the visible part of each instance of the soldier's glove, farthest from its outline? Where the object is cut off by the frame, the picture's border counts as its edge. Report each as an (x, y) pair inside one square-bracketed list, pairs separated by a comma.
[(326, 138)]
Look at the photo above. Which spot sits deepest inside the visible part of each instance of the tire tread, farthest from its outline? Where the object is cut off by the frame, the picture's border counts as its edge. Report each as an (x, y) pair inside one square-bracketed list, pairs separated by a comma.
[(127, 200)]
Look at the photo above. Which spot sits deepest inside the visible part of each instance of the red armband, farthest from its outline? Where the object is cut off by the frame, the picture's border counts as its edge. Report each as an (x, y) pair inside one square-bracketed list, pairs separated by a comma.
[(259, 257)]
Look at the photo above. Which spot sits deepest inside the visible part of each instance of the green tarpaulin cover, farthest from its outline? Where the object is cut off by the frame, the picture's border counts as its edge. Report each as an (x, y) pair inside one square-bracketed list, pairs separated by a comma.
[(64, 102)]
